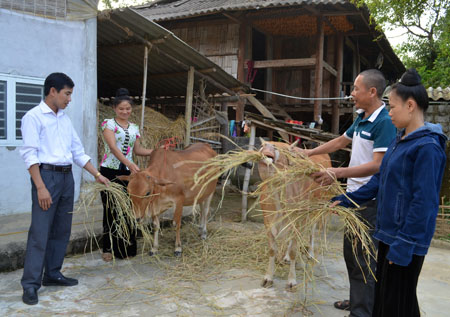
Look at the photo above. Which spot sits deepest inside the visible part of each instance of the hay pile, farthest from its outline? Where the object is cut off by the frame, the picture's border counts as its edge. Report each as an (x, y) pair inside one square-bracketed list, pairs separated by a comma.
[(157, 127)]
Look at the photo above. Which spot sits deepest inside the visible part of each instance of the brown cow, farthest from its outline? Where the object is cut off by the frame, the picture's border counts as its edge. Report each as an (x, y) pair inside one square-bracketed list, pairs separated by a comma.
[(275, 222), (167, 181)]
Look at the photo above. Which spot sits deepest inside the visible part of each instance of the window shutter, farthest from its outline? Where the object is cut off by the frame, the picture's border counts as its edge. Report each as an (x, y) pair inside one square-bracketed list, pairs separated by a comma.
[(27, 96), (3, 110)]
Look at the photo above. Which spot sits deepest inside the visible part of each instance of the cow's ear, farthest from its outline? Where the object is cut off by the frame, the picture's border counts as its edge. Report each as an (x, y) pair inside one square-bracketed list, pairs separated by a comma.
[(162, 182), (124, 177)]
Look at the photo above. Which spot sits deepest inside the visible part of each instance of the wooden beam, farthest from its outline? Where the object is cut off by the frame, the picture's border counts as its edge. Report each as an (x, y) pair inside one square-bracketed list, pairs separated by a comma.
[(232, 18), (291, 62), (265, 112), (330, 69), (188, 113), (318, 80), (241, 52), (340, 13), (337, 83)]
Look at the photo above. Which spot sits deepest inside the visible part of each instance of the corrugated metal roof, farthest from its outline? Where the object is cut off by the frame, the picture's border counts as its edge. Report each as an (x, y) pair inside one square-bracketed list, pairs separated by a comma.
[(169, 10), (121, 35), (438, 93)]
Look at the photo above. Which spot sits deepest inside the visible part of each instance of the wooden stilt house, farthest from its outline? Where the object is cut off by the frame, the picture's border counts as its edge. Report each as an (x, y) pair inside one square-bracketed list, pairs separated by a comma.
[(311, 49)]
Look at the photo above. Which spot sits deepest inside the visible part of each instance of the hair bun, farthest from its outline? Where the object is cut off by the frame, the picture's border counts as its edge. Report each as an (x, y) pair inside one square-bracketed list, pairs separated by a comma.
[(122, 92), (410, 78)]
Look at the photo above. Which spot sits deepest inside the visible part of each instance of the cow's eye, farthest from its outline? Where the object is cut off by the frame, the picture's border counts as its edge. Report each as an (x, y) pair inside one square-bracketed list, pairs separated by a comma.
[(148, 194)]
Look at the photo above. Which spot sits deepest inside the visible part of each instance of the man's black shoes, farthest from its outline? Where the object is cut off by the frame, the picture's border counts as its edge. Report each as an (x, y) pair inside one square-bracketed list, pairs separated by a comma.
[(59, 281), (30, 296)]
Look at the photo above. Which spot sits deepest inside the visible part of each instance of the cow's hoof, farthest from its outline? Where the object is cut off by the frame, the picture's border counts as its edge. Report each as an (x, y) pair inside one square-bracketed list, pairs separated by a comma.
[(177, 253), (152, 253), (267, 283), (203, 236), (291, 287)]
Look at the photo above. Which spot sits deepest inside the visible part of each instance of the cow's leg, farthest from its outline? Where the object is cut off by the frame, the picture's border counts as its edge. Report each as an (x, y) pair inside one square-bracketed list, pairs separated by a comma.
[(156, 228), (205, 212), (292, 280), (268, 278), (287, 258), (177, 219)]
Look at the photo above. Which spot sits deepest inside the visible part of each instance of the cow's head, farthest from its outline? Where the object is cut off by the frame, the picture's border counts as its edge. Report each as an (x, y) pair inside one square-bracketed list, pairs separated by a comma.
[(143, 189), (272, 157)]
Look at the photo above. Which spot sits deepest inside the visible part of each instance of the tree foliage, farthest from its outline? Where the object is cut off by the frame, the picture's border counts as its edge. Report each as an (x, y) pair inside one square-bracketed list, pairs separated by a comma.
[(427, 25)]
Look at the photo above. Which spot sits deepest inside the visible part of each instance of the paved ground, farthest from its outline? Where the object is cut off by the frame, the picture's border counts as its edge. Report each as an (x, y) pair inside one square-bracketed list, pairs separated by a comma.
[(146, 286)]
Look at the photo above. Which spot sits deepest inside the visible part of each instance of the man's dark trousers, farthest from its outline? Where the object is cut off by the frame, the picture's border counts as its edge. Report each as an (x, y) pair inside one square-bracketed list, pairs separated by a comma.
[(362, 291), (49, 232)]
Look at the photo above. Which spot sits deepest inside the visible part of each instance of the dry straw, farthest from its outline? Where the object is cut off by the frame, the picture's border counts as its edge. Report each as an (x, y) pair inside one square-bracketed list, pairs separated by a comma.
[(301, 215), (125, 222), (157, 127)]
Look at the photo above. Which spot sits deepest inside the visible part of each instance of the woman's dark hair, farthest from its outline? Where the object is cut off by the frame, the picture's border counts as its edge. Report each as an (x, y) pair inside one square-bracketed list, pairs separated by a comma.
[(57, 81), (410, 86), (122, 95)]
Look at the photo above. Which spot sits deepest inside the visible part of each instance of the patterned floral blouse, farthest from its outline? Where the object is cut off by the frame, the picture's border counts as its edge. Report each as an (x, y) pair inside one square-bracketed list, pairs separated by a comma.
[(125, 139)]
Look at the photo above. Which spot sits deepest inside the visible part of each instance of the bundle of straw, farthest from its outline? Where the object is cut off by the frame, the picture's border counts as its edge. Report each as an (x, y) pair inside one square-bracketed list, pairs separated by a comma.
[(299, 215), (118, 198)]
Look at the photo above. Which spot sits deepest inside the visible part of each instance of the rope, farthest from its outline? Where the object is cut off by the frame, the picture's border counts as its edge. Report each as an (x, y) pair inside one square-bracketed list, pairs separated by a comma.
[(301, 98), (166, 144)]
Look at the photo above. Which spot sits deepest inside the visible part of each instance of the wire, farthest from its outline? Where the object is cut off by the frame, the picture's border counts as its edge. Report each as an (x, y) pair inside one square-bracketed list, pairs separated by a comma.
[(301, 98)]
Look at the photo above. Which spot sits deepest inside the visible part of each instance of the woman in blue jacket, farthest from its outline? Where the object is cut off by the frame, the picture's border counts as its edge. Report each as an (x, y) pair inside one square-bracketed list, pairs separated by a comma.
[(407, 191)]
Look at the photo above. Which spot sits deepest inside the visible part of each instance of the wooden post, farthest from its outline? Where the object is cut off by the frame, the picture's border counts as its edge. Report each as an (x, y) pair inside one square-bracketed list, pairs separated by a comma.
[(144, 87), (269, 71), (251, 146), (188, 114), (337, 83), (319, 70), (241, 52)]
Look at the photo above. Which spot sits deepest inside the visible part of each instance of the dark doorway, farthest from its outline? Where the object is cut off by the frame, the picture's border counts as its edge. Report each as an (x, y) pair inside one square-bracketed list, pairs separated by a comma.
[(259, 54)]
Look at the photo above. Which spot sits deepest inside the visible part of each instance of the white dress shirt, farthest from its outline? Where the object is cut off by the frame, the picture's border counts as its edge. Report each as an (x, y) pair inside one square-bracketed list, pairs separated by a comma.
[(50, 138)]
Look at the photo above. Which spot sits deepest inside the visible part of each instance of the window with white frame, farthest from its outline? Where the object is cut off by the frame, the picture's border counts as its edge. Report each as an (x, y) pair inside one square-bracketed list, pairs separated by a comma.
[(18, 94)]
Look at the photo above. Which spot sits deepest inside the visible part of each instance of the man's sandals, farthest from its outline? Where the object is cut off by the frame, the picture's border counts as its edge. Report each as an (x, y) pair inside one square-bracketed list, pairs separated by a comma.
[(342, 304)]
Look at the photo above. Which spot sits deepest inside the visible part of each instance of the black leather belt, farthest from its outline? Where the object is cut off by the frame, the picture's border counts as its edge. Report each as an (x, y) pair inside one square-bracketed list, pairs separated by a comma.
[(56, 168)]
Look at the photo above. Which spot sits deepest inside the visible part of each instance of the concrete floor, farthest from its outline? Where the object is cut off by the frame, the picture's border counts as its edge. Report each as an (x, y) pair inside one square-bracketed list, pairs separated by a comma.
[(142, 287)]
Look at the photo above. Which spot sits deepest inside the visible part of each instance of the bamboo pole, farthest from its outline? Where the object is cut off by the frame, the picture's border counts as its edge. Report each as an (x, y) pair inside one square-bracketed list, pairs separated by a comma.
[(144, 87), (188, 114), (251, 146)]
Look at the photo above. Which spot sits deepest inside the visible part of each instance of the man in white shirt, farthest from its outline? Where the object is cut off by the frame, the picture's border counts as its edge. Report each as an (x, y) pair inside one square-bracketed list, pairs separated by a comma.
[(50, 147), (370, 134)]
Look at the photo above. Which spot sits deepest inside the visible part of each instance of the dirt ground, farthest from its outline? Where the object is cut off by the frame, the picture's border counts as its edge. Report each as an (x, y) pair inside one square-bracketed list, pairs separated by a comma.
[(217, 277)]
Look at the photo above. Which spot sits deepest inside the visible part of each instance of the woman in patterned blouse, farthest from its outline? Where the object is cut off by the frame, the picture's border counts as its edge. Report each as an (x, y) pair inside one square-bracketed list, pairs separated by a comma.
[(121, 139)]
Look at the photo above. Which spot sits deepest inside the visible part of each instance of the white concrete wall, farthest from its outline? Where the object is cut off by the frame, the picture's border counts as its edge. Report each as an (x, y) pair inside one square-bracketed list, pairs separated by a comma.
[(35, 47)]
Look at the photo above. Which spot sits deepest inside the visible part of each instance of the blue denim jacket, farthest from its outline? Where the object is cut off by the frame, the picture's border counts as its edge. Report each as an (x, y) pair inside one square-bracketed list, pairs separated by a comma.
[(407, 192)]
